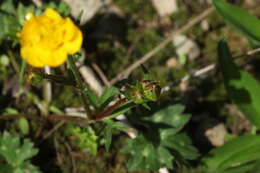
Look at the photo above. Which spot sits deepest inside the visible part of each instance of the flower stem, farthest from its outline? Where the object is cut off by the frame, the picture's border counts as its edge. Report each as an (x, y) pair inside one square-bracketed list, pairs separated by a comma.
[(80, 84), (47, 91), (21, 73), (13, 61)]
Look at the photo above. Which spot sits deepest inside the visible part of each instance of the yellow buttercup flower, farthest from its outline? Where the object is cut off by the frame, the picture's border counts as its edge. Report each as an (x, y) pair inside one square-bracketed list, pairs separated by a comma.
[(47, 40)]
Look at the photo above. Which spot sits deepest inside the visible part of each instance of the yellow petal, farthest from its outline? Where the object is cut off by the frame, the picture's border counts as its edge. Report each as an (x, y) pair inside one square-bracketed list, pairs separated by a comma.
[(31, 57), (52, 14), (29, 34), (75, 44), (48, 39), (58, 57), (72, 37)]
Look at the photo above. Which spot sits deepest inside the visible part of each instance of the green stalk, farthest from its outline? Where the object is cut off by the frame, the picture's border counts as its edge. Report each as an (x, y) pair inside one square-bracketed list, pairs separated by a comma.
[(21, 74), (80, 84), (13, 61)]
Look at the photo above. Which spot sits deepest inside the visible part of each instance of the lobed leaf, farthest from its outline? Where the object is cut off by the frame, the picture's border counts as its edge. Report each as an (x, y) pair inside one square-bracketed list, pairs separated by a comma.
[(172, 116), (16, 154)]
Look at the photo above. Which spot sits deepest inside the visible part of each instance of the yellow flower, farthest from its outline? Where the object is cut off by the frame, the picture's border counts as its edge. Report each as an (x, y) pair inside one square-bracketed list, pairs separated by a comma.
[(47, 40)]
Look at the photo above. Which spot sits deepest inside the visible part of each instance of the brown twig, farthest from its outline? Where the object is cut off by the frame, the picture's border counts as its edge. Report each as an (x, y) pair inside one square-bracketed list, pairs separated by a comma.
[(206, 69), (17, 116), (74, 168), (56, 146), (132, 47), (65, 118), (110, 109), (101, 74), (54, 129), (249, 53), (162, 45)]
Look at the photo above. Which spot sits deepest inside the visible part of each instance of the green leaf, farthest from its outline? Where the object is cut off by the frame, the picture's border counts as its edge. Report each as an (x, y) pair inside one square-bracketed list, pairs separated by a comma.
[(9, 26), (111, 126), (239, 169), (8, 6), (4, 60), (153, 149), (256, 168), (123, 108), (15, 152), (22, 11), (86, 138), (144, 155), (108, 95), (10, 111), (182, 144), (134, 163), (239, 19), (101, 102), (172, 116), (23, 125), (165, 157), (9, 22), (242, 88), (239, 152), (63, 8), (53, 108), (247, 155), (108, 137), (93, 97)]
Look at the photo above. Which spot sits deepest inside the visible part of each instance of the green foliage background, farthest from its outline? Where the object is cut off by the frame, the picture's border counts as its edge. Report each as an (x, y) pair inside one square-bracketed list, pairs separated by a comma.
[(170, 129)]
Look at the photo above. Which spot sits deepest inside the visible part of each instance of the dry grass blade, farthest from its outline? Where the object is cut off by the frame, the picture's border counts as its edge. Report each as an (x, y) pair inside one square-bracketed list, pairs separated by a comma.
[(186, 27)]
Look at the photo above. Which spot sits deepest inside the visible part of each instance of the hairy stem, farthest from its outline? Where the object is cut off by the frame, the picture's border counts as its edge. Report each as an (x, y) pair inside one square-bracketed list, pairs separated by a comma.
[(80, 84)]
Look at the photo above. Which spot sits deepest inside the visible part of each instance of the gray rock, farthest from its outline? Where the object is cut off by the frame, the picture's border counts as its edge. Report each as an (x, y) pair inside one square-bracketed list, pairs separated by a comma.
[(216, 135), (88, 8), (186, 47), (165, 7)]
